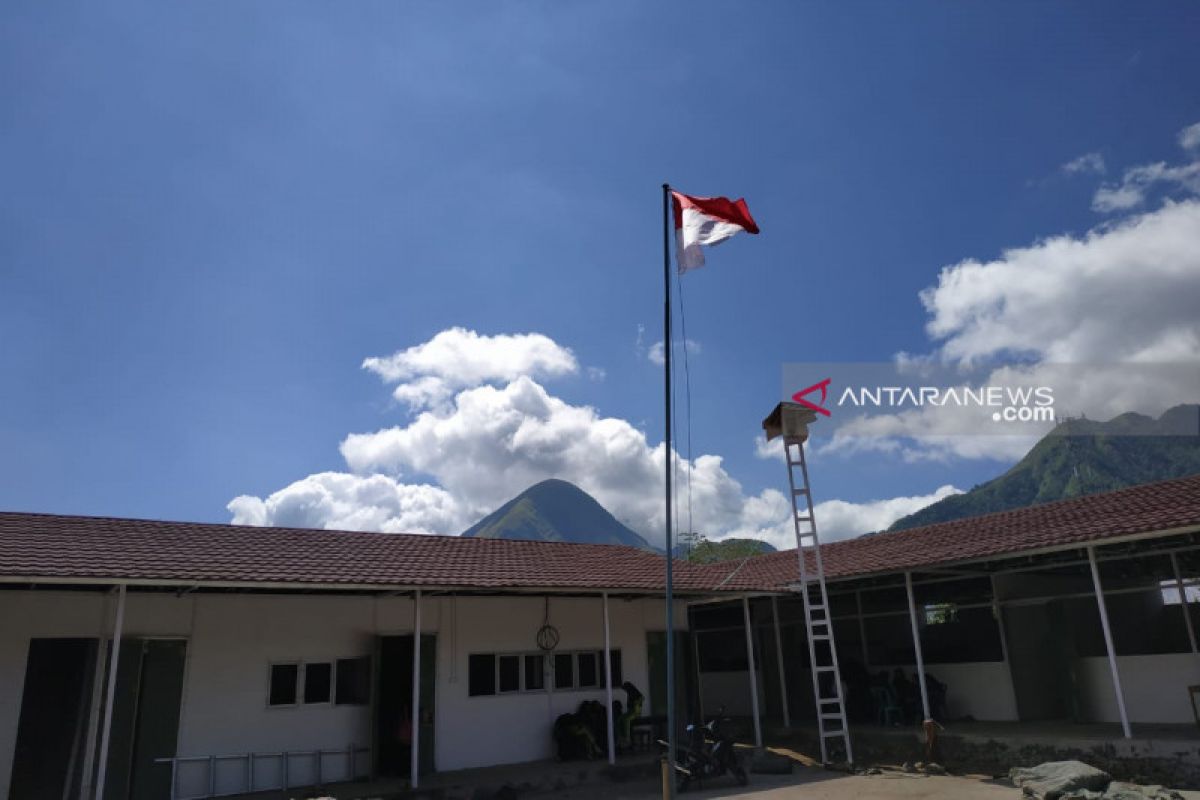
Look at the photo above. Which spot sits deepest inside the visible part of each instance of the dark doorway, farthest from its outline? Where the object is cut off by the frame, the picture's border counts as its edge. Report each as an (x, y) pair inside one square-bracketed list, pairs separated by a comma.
[(52, 729), (145, 722), (393, 722), (687, 697), (1041, 657)]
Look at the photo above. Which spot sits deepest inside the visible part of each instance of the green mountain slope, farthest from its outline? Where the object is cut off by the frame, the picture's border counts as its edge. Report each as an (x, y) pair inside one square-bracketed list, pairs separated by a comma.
[(708, 552), (1082, 457), (555, 511)]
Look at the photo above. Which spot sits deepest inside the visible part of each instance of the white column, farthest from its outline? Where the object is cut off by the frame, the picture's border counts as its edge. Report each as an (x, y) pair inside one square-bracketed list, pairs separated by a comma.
[(783, 697), (1108, 643), (998, 612), (96, 705), (416, 691), (113, 658), (916, 634), (1183, 603), (753, 672), (608, 707)]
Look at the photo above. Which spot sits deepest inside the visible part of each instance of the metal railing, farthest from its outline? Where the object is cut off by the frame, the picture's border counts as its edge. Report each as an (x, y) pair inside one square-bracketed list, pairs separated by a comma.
[(248, 783)]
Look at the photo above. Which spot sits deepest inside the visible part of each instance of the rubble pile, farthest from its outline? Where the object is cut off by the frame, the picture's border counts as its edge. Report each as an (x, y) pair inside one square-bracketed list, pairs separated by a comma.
[(1075, 780)]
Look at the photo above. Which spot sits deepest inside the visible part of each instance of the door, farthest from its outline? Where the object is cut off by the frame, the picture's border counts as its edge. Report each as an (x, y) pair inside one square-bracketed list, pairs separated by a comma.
[(145, 722), (52, 727), (686, 695), (394, 724)]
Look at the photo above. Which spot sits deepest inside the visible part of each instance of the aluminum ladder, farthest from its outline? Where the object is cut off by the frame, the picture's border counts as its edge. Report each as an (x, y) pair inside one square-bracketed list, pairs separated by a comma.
[(818, 621)]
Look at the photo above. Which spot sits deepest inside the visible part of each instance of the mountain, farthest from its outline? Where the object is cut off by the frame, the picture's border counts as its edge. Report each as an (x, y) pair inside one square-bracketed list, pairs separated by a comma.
[(555, 511), (1080, 457), (708, 552)]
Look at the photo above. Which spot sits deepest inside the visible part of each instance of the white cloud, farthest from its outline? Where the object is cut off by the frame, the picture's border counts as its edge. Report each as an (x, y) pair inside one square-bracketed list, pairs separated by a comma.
[(1189, 137), (1126, 292), (340, 501), (657, 356), (1137, 182), (1088, 163), (768, 516), (429, 373)]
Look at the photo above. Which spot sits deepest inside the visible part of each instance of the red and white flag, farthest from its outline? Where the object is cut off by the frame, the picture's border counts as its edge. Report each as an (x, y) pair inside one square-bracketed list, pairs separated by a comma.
[(704, 221)]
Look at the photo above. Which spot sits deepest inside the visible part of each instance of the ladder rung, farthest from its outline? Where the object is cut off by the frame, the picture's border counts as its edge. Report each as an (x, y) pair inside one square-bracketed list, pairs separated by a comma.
[(832, 716), (829, 734), (822, 637), (804, 519), (799, 491), (826, 669), (827, 700)]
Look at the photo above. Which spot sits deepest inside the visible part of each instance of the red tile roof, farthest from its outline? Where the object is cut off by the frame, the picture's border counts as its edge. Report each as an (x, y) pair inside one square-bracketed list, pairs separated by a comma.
[(1139, 509), (99, 548), (45, 546)]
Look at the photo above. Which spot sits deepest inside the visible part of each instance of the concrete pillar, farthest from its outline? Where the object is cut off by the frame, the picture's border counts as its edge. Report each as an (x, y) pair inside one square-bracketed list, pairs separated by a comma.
[(916, 634), (783, 695), (758, 741), (1108, 643)]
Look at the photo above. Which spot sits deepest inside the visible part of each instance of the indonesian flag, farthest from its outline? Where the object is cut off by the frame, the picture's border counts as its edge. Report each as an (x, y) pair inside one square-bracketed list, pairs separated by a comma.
[(704, 221)]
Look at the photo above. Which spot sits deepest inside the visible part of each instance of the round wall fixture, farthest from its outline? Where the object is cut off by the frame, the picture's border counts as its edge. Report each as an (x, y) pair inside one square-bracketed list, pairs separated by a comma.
[(547, 635)]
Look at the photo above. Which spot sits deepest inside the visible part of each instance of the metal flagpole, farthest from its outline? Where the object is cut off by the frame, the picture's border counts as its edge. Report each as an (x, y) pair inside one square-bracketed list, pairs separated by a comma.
[(669, 784)]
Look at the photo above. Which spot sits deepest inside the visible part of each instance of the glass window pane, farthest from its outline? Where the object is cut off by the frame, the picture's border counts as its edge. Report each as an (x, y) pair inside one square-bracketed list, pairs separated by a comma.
[(587, 670), (481, 674), (535, 674), (564, 671), (353, 681), (283, 684), (318, 682), (510, 673)]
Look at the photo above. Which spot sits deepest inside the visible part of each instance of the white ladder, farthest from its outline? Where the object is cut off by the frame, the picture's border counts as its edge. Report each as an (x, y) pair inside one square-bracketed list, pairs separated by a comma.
[(822, 654)]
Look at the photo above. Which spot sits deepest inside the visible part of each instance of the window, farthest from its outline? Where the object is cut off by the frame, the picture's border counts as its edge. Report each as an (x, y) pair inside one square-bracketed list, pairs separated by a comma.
[(510, 674), (353, 681), (564, 671), (284, 681), (481, 674), (587, 670), (318, 682), (535, 673)]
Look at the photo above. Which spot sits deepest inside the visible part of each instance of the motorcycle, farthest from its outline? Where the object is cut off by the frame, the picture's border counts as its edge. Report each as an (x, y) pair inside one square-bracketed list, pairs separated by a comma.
[(709, 753)]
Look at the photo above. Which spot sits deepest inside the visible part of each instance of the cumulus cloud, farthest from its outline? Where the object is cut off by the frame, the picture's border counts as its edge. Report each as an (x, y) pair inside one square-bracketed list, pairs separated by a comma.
[(337, 500), (767, 516), (1086, 164), (656, 355), (429, 373)]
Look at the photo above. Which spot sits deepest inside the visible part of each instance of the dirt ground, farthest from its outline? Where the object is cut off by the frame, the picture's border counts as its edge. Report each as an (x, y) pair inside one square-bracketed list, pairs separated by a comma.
[(819, 784)]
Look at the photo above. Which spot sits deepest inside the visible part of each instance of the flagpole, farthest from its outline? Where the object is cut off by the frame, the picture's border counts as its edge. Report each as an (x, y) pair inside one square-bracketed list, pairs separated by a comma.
[(669, 784)]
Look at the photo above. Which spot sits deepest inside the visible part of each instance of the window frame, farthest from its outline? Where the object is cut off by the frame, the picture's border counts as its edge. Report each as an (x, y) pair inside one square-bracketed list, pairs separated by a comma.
[(296, 689), (549, 671)]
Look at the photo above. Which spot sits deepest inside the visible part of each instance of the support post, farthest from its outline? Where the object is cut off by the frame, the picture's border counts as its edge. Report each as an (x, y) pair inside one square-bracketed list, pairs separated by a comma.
[(1183, 603), (113, 661), (783, 695), (608, 706), (758, 741), (414, 767), (916, 634), (1108, 643), (862, 628)]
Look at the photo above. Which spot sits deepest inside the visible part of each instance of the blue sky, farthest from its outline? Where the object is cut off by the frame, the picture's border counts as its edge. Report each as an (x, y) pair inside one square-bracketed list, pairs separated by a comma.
[(213, 213)]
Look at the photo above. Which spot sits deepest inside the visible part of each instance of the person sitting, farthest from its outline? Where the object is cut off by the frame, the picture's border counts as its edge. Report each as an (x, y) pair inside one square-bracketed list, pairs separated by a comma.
[(634, 700)]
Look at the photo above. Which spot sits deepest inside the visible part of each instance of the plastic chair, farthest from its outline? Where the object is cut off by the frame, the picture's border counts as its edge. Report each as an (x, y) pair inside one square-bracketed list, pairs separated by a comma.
[(887, 711)]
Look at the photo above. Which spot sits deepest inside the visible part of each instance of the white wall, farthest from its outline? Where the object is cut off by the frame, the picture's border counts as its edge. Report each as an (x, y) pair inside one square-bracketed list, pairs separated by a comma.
[(1155, 687), (233, 638)]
